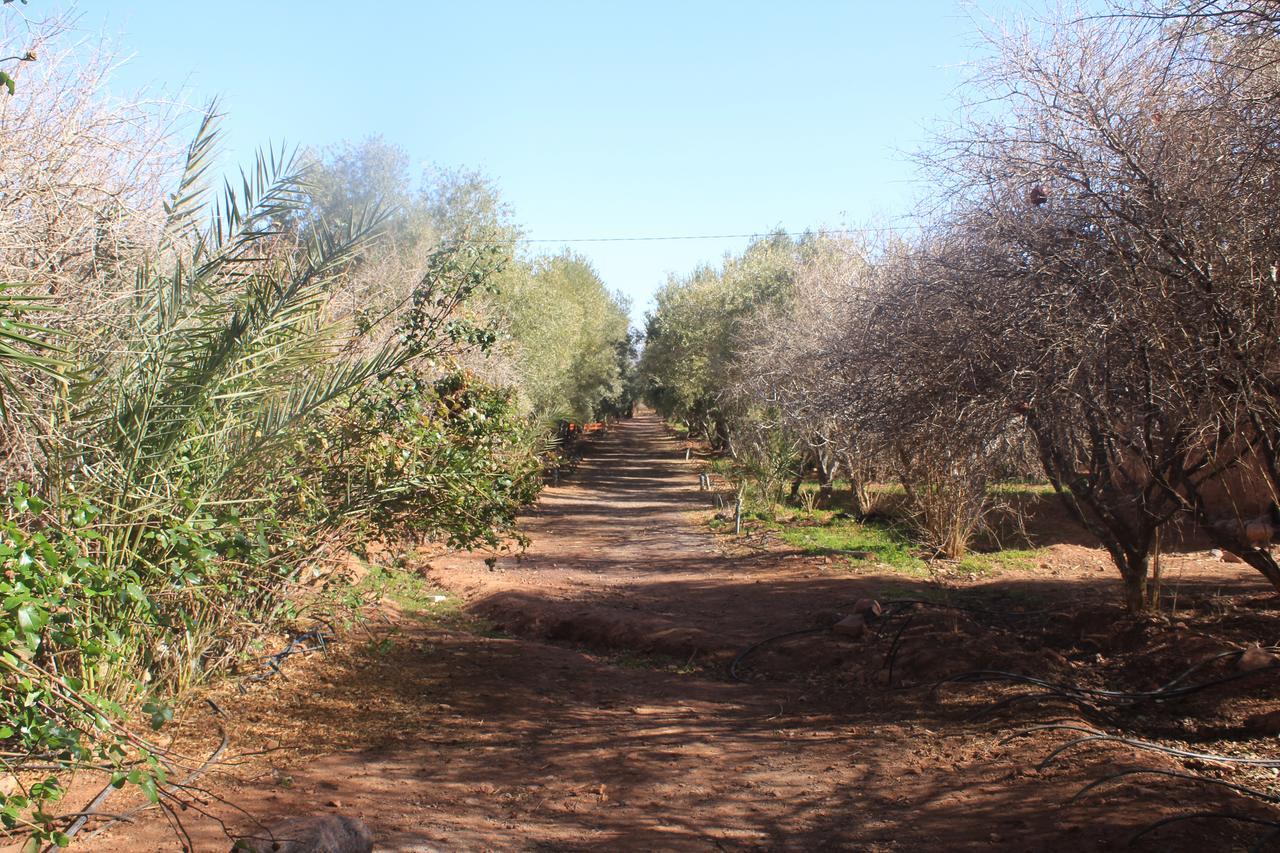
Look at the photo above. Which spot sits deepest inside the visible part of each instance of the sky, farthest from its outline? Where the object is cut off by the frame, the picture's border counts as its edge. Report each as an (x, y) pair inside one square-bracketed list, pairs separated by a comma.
[(648, 119)]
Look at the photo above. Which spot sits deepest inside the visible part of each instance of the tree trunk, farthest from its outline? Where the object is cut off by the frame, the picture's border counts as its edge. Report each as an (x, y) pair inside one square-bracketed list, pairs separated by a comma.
[(1134, 569), (1262, 560), (859, 496), (827, 468), (1134, 563), (720, 440)]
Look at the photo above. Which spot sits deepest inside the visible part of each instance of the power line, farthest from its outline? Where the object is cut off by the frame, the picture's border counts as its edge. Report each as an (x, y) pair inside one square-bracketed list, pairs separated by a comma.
[(650, 239)]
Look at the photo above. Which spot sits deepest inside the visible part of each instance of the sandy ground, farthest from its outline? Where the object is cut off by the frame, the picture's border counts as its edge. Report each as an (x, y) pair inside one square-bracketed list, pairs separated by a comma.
[(591, 708)]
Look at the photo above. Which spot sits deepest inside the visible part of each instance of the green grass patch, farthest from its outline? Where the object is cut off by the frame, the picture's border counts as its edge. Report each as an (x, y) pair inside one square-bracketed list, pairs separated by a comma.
[(1009, 560), (721, 465), (834, 536), (830, 532), (1029, 490), (420, 599), (827, 533)]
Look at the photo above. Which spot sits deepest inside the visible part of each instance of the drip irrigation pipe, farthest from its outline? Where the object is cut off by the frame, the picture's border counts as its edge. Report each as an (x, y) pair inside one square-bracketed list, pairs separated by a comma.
[(892, 656), (297, 645), (1093, 735), (733, 667), (1079, 701), (1174, 774), (1155, 747), (1168, 691), (1243, 818)]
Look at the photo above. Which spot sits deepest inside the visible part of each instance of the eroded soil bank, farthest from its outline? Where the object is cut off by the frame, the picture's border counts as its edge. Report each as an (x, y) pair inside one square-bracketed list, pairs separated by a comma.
[(587, 704)]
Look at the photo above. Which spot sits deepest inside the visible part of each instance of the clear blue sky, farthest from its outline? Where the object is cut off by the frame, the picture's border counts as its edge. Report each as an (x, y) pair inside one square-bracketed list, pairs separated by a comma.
[(595, 119)]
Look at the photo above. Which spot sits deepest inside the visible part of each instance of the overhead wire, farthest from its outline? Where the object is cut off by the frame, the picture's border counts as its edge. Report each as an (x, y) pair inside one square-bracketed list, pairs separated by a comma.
[(673, 237)]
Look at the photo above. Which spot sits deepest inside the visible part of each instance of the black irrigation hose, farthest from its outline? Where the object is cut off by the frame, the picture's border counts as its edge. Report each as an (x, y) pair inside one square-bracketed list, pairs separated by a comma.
[(1047, 726), (1243, 818), (733, 667), (1155, 747), (297, 645), (1079, 701), (896, 606), (1213, 682), (891, 657), (1174, 774), (1168, 691), (1233, 653), (1093, 736)]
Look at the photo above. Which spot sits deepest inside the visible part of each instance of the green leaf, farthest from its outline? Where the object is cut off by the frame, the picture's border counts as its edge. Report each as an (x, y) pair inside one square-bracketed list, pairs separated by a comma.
[(160, 714), (31, 619)]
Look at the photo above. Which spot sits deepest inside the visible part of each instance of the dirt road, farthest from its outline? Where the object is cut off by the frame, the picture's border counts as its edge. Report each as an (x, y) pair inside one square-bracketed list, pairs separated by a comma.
[(598, 715)]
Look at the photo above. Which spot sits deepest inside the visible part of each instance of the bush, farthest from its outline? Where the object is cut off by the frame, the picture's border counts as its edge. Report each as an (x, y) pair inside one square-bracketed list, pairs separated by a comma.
[(448, 458)]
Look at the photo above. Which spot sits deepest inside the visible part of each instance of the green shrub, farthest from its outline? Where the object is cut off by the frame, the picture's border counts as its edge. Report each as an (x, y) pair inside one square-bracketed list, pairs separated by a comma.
[(448, 458)]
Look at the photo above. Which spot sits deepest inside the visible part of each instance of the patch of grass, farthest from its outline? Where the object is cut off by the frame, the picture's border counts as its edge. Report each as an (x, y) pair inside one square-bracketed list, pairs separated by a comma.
[(828, 532), (408, 590), (420, 599), (833, 536), (1008, 560), (1014, 489), (720, 464), (648, 661)]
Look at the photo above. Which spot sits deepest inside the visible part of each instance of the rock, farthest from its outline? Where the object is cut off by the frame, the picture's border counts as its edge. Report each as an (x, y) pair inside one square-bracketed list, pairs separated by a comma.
[(868, 607), (1263, 724), (309, 834), (1255, 657), (851, 626)]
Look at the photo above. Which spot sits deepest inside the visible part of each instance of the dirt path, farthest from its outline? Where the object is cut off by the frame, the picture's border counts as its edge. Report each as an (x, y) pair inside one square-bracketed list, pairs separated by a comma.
[(615, 562), (598, 716)]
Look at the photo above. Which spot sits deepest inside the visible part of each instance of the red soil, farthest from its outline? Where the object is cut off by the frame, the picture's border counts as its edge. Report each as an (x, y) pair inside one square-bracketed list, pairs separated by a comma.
[(601, 717)]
